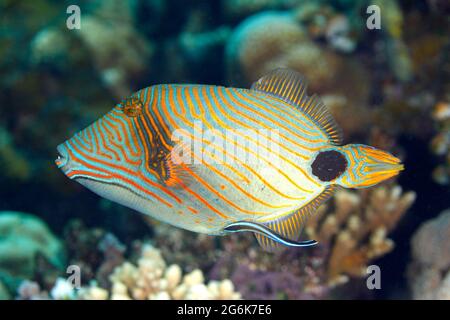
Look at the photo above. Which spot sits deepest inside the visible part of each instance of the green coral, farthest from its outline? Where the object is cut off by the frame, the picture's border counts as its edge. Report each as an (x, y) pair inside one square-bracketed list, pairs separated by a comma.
[(23, 237), (4, 294), (14, 164)]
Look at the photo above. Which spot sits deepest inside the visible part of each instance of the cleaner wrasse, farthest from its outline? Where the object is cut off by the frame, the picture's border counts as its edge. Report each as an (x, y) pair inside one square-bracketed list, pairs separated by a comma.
[(219, 160)]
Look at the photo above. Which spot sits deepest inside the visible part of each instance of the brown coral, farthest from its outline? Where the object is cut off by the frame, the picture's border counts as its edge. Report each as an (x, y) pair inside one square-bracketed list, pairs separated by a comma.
[(356, 229), (440, 144)]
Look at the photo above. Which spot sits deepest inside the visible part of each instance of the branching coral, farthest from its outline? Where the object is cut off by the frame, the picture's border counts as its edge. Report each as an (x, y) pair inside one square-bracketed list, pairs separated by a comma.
[(441, 142), (352, 232), (152, 279), (429, 272), (356, 229), (149, 279)]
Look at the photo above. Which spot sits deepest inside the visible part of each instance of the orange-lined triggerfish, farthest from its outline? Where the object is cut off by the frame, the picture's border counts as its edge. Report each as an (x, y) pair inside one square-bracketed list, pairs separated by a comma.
[(167, 151)]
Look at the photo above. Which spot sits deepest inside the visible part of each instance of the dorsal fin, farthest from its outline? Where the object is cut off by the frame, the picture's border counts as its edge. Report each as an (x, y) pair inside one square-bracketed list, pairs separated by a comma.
[(290, 226), (290, 86)]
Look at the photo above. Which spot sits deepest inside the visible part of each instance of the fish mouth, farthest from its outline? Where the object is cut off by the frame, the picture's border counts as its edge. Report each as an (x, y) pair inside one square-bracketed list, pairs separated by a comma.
[(63, 157), (381, 166), (384, 172)]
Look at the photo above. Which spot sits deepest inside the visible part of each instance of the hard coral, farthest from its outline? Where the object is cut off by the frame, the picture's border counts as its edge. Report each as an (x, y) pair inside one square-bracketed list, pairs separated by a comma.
[(151, 278), (440, 144), (274, 39), (96, 251), (356, 229), (351, 232), (271, 40), (23, 238)]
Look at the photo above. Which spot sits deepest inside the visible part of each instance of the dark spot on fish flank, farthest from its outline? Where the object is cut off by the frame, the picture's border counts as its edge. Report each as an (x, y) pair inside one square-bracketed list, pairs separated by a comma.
[(329, 165)]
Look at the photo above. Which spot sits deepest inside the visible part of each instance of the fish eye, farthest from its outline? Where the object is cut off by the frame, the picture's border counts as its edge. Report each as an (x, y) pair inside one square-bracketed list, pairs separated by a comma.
[(132, 106), (329, 165)]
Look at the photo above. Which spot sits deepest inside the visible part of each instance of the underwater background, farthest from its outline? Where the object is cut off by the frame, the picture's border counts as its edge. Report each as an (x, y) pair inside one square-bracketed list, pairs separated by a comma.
[(386, 87)]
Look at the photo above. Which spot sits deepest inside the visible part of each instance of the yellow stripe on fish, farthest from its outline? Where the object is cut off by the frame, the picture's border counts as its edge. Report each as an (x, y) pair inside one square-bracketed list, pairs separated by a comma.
[(215, 160)]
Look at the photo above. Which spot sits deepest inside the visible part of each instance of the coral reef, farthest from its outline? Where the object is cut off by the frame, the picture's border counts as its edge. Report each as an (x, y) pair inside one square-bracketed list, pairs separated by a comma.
[(95, 251), (270, 40), (149, 279), (241, 8), (275, 285), (14, 164), (357, 228), (31, 290), (274, 39), (429, 271), (4, 294), (119, 52), (351, 232), (387, 88), (24, 237), (193, 53), (441, 142)]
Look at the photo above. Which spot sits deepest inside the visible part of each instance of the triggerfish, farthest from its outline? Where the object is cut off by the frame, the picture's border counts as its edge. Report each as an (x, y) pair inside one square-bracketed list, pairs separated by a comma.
[(219, 160)]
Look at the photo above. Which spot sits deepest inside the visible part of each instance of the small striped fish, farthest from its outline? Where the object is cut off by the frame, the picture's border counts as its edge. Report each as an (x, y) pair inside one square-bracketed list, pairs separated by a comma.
[(218, 160)]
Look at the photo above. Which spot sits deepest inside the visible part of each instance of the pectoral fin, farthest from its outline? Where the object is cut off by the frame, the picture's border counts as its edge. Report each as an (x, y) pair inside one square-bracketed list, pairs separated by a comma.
[(242, 226)]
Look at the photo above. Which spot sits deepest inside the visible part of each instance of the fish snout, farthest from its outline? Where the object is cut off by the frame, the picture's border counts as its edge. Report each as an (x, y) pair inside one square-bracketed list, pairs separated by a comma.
[(62, 161), (380, 165), (369, 166)]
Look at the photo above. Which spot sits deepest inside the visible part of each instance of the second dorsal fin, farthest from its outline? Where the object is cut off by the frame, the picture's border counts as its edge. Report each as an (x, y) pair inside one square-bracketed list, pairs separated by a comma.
[(290, 86)]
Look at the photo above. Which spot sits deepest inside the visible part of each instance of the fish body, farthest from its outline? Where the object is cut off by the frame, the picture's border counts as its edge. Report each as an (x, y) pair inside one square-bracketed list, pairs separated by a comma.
[(204, 157)]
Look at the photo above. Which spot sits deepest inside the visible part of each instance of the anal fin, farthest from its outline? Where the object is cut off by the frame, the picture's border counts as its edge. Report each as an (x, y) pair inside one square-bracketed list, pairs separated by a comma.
[(291, 225)]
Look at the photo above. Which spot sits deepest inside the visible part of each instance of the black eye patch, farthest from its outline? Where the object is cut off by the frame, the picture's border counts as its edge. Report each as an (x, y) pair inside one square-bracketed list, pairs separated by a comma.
[(329, 165)]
